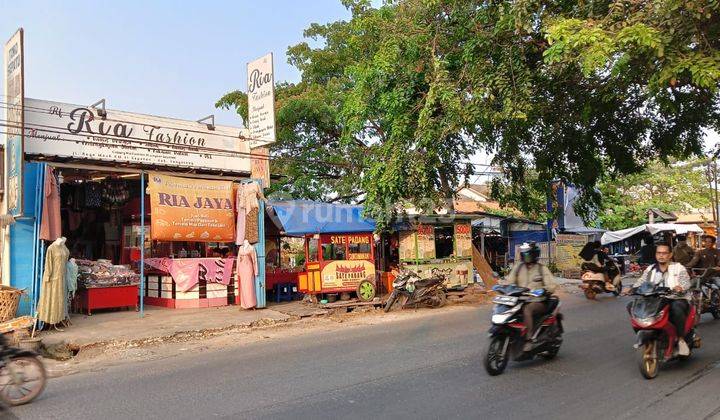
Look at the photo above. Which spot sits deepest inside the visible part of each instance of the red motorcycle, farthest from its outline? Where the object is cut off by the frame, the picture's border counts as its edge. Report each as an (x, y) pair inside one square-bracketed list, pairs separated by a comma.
[(656, 335)]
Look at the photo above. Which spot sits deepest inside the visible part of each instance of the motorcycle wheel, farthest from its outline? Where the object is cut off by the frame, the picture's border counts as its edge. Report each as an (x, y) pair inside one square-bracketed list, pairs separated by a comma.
[(618, 289), (391, 301), (590, 294), (648, 360), (24, 378), (439, 300), (496, 359), (715, 304)]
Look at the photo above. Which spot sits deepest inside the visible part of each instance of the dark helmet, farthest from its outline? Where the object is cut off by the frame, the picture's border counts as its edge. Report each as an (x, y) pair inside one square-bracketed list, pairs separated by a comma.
[(529, 252)]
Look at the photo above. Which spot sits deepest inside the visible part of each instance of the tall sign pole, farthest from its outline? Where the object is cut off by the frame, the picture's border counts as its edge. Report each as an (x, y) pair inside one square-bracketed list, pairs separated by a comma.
[(261, 114), (15, 119)]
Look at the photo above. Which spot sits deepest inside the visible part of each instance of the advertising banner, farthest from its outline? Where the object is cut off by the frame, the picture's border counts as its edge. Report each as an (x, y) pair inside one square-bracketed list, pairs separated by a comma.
[(344, 274), (80, 132), (463, 240), (193, 210), (14, 105), (567, 250), (261, 114)]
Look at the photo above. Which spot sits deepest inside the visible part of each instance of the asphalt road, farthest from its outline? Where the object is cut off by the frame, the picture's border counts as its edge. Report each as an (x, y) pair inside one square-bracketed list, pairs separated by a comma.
[(421, 368)]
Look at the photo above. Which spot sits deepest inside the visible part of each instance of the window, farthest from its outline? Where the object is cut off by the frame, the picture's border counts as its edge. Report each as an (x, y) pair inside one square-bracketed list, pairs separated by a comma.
[(333, 252), (312, 250), (444, 245)]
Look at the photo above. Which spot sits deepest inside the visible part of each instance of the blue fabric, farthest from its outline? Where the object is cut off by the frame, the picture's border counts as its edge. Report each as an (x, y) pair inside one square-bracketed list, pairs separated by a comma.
[(309, 217)]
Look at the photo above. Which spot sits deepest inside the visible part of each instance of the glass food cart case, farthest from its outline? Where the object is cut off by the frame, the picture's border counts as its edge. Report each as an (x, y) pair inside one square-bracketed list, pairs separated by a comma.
[(339, 263)]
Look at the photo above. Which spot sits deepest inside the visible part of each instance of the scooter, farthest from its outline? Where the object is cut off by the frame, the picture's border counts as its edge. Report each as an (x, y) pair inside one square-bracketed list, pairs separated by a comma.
[(594, 283), (410, 289), (656, 336), (508, 331)]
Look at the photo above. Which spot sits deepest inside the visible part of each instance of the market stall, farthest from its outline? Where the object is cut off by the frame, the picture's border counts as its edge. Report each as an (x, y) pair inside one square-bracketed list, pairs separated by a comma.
[(443, 242), (652, 229), (339, 246)]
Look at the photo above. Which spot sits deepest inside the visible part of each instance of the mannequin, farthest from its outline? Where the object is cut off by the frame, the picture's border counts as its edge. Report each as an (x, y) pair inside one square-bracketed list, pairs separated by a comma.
[(71, 275), (247, 270), (51, 308)]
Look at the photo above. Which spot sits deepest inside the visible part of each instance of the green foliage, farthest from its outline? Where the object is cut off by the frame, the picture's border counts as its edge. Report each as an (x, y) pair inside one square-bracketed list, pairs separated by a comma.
[(669, 188), (394, 101)]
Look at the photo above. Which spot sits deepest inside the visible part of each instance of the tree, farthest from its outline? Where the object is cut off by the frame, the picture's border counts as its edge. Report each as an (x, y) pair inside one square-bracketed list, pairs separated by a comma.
[(410, 90), (678, 187)]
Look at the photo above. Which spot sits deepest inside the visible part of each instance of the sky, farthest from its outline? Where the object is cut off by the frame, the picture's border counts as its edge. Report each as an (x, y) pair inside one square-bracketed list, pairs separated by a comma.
[(166, 58)]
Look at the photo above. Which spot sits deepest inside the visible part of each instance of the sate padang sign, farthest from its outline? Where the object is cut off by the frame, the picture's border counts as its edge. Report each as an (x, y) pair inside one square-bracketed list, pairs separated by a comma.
[(79, 132), (195, 210), (14, 144)]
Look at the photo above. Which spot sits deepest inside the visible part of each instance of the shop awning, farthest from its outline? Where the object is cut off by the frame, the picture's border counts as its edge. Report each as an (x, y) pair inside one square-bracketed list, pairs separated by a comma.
[(296, 218), (653, 228)]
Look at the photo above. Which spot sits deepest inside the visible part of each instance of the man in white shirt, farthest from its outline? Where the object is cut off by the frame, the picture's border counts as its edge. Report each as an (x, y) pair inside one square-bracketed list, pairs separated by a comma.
[(673, 275)]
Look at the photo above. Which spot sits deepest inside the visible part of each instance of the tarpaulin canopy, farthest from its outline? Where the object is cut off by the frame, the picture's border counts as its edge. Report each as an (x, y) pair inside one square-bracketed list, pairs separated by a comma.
[(300, 217), (653, 228)]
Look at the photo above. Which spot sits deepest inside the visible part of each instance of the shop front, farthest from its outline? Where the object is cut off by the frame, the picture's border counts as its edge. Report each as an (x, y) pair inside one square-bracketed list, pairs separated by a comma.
[(139, 206)]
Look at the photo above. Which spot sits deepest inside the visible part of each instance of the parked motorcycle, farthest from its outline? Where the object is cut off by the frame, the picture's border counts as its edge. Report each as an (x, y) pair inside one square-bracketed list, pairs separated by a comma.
[(706, 293), (594, 283), (410, 289), (508, 331), (656, 335)]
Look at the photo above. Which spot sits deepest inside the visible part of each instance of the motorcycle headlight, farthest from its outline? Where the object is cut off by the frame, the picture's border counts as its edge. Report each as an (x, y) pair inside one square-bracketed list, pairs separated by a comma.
[(646, 322)]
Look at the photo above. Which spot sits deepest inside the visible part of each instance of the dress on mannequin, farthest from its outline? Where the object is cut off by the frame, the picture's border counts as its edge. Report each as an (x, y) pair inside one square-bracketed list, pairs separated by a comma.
[(247, 270), (51, 309)]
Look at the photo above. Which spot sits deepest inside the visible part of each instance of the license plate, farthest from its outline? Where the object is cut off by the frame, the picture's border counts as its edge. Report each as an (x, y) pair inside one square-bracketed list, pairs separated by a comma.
[(505, 300)]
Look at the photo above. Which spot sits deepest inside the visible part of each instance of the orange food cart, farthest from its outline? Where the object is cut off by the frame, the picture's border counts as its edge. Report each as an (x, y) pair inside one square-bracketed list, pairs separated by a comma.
[(338, 263)]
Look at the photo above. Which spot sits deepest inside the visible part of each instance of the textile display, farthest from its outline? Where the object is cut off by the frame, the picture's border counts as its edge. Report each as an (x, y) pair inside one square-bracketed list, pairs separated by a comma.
[(247, 269), (246, 200), (187, 273), (251, 226), (51, 222), (71, 275), (103, 273), (51, 309)]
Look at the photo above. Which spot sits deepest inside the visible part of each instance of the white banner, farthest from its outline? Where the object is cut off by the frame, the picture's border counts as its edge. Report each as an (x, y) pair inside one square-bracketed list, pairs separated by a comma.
[(78, 132), (13, 55), (261, 100)]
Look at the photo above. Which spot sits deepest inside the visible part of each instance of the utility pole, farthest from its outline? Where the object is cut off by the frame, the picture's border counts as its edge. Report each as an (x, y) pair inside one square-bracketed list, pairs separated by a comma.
[(717, 202)]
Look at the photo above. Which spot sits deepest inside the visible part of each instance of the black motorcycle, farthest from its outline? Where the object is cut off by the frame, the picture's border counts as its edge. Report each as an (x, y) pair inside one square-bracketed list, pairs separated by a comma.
[(22, 374), (508, 332), (410, 289), (706, 292)]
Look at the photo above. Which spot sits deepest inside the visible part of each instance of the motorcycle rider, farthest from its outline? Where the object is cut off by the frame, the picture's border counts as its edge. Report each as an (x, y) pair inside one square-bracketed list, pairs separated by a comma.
[(708, 257), (675, 276), (534, 275), (683, 253)]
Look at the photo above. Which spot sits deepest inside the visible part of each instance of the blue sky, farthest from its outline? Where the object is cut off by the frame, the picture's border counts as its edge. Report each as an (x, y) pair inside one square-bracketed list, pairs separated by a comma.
[(166, 58)]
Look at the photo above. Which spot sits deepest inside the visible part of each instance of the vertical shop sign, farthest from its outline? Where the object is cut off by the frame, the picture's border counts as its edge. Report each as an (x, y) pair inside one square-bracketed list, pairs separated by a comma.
[(14, 105), (261, 114)]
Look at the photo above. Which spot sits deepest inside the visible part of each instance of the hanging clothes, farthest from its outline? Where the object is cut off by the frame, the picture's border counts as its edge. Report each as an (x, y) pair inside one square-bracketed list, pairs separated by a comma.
[(246, 201), (251, 226), (51, 222), (51, 309), (247, 270), (71, 276)]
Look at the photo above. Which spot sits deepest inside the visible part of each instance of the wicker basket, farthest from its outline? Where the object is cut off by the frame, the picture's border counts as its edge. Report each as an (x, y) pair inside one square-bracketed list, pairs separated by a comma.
[(9, 301)]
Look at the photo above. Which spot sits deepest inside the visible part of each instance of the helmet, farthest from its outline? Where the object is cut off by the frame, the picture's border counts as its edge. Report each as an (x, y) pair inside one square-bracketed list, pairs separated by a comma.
[(529, 252)]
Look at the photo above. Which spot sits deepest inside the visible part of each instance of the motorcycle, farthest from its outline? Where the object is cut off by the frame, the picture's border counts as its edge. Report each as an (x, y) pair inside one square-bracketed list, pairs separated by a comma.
[(508, 331), (410, 289), (706, 293), (594, 283), (656, 335), (22, 374)]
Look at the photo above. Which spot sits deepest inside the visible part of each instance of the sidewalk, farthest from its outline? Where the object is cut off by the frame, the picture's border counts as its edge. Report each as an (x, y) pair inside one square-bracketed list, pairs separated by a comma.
[(158, 324)]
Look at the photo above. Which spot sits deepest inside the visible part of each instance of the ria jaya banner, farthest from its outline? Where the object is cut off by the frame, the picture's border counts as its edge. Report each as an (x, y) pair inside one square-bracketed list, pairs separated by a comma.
[(192, 210)]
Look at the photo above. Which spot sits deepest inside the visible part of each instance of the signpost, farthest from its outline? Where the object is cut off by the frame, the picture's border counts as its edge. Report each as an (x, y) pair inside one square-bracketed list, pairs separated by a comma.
[(14, 106), (261, 114)]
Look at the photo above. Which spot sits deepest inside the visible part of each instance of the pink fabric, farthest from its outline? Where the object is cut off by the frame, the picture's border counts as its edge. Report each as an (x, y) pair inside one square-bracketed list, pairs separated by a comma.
[(187, 272), (247, 269), (50, 222)]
